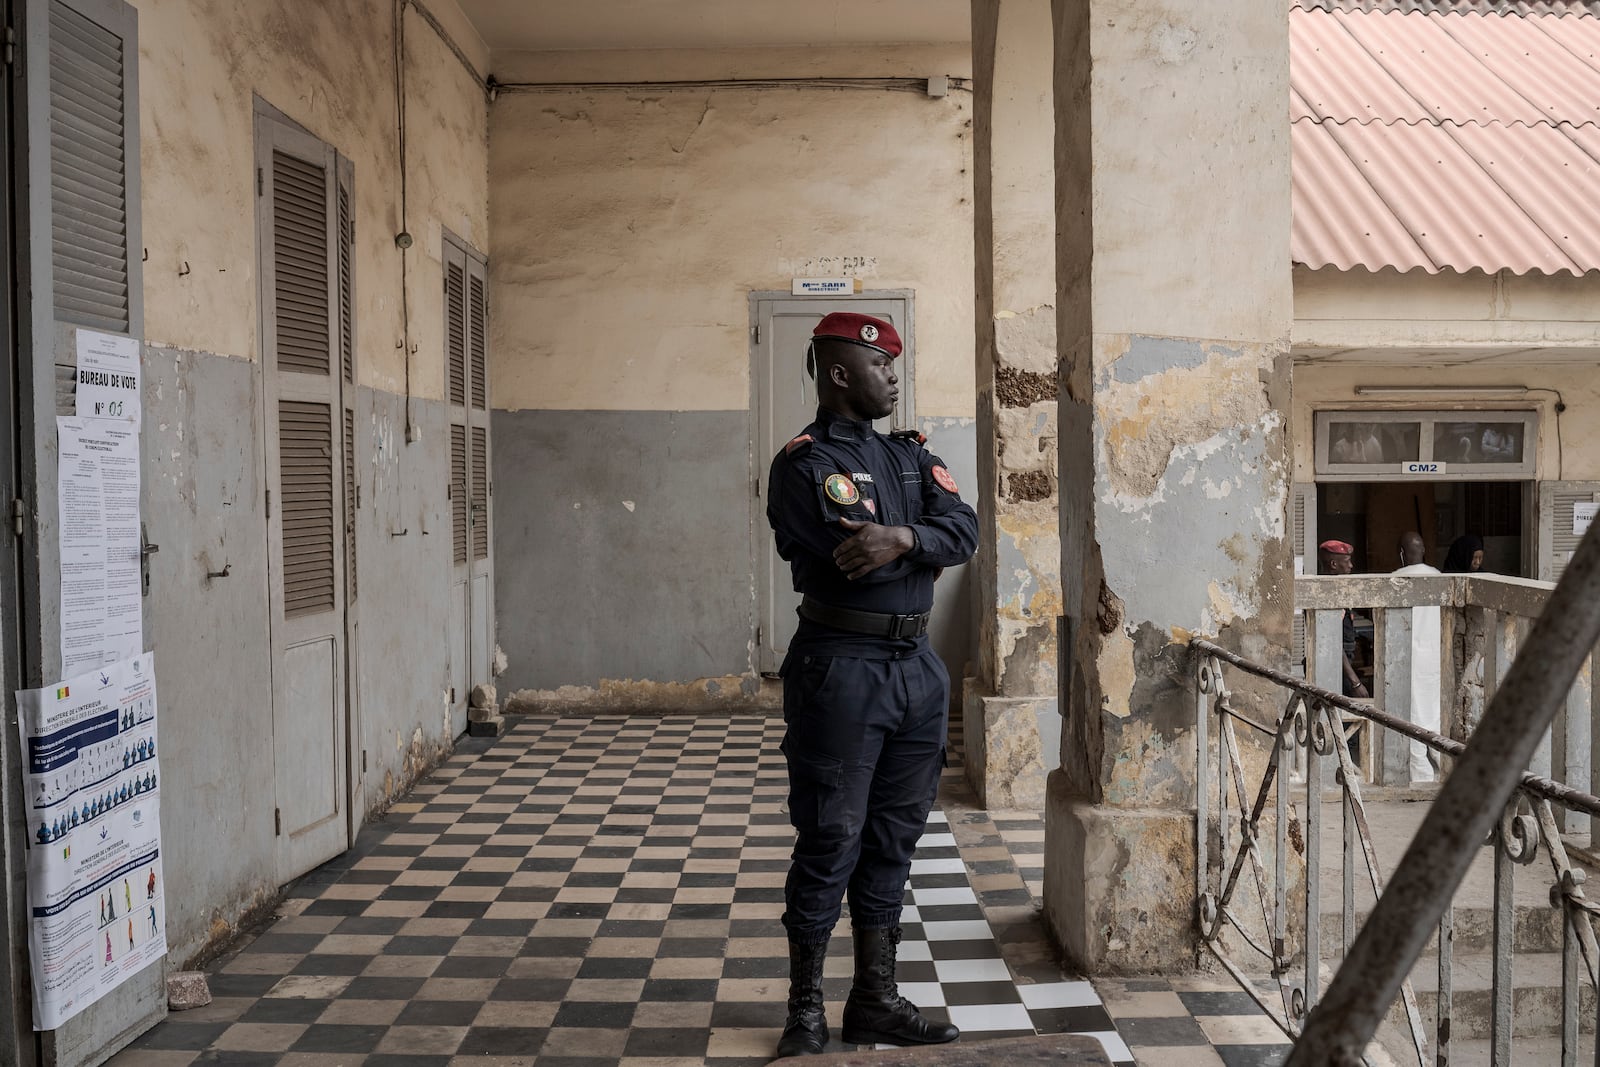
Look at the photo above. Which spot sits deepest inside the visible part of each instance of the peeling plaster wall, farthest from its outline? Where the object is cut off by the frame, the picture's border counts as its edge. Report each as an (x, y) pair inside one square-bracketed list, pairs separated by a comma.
[(630, 228), (329, 66), (1173, 330)]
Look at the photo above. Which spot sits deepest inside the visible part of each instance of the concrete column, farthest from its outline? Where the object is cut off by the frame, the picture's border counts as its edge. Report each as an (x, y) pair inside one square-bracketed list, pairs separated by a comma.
[(1011, 725), (1174, 298)]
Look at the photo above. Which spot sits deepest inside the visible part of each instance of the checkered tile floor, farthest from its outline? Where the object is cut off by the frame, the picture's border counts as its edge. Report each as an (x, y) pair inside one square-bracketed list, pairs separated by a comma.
[(587, 891), (590, 892)]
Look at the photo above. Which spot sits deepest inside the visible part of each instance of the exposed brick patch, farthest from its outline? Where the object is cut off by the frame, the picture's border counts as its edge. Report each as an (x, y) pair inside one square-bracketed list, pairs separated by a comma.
[(1028, 485), (1019, 388)]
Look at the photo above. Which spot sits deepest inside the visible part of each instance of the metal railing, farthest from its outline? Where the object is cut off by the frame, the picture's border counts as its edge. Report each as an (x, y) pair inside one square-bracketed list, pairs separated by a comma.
[(1255, 839)]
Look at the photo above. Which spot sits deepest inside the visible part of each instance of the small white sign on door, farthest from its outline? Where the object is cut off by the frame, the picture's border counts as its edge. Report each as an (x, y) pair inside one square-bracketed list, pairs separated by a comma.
[(1583, 514), (1421, 470), (825, 286)]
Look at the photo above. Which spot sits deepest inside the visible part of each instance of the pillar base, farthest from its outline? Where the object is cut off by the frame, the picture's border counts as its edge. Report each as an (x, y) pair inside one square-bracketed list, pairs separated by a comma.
[(1006, 740), (1119, 885)]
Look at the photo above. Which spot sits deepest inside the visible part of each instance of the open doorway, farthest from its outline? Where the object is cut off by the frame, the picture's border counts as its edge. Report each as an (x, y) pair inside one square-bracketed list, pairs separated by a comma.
[(1371, 516)]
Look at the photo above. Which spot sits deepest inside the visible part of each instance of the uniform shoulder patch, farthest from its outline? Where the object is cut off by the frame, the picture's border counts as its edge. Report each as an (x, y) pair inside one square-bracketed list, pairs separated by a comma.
[(946, 482), (910, 435), (799, 444)]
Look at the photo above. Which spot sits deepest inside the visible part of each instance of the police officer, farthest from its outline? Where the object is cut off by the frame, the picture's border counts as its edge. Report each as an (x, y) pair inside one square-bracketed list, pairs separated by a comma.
[(867, 521)]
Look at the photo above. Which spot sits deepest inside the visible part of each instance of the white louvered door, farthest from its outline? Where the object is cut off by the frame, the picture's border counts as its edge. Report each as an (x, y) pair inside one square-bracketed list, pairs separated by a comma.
[(467, 394), (305, 289)]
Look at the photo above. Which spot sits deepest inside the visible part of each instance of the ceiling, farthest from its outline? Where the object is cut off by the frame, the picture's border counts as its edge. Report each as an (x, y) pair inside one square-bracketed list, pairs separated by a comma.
[(562, 25)]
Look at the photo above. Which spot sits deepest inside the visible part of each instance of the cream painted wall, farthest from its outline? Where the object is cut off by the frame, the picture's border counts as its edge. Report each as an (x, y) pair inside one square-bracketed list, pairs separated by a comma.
[(329, 66), (1416, 329), (630, 226), (1320, 387), (1386, 309)]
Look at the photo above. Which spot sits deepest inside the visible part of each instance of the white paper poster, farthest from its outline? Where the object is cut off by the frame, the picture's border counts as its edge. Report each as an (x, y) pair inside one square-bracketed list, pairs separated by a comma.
[(1583, 514), (95, 884), (108, 377), (98, 504)]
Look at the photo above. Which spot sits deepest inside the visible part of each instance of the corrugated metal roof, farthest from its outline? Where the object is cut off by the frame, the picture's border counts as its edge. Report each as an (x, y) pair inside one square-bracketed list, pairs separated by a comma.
[(1457, 7), (1445, 143)]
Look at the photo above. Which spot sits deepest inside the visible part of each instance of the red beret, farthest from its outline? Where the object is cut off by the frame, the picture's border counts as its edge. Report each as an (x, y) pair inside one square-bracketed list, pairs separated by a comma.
[(860, 329), (1337, 548)]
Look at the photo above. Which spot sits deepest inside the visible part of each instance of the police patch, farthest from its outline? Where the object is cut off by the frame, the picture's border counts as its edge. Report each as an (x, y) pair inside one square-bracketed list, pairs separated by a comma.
[(942, 476), (841, 490)]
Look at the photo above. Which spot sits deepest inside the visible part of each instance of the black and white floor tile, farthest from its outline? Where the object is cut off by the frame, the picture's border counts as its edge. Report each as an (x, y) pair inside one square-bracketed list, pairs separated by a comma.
[(605, 892)]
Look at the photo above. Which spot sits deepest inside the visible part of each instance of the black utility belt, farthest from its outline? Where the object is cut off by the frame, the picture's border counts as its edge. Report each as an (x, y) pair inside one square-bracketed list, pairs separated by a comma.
[(870, 623)]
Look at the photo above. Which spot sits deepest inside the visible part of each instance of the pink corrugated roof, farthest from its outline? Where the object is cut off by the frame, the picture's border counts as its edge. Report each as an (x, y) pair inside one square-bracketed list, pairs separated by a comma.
[(1457, 7), (1434, 142)]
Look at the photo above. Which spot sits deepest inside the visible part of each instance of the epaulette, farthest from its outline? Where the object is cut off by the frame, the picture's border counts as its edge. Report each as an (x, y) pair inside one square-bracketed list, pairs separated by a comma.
[(910, 435), (799, 444)]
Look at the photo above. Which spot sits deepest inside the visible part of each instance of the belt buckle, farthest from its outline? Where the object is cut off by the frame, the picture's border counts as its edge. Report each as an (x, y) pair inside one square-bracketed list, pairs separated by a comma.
[(900, 624)]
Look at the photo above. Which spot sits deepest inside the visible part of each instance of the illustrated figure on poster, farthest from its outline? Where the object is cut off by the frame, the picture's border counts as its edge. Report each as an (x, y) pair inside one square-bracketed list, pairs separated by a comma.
[(44, 834), (130, 933), (127, 894), (150, 887), (152, 920), (111, 906), (108, 948), (102, 909)]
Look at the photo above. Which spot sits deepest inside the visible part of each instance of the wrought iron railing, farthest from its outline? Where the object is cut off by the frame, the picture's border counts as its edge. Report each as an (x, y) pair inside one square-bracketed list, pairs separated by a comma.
[(1263, 778)]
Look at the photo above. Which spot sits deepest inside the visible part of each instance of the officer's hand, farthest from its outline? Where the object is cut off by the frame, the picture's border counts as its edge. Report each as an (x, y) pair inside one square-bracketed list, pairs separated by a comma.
[(871, 547)]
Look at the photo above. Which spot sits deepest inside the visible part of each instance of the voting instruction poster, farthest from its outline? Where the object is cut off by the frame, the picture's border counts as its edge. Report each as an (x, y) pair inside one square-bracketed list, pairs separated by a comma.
[(93, 785)]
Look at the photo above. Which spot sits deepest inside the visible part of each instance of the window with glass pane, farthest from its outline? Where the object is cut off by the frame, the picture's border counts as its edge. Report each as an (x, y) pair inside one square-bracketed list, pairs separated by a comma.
[(1478, 442), (1374, 443)]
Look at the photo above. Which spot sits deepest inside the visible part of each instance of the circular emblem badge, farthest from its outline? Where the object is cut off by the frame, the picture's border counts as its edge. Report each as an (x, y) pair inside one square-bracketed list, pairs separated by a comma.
[(942, 476), (841, 490), (869, 332)]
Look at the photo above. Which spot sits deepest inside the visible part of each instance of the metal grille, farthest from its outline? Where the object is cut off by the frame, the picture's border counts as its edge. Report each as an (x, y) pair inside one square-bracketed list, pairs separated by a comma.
[(1297, 650), (479, 316), (347, 349), (88, 190), (305, 457), (458, 491), (455, 315), (300, 263), (480, 493), (350, 504)]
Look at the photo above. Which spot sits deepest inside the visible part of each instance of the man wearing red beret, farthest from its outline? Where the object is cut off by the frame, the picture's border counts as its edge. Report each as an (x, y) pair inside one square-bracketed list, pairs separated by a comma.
[(1335, 558), (867, 521)]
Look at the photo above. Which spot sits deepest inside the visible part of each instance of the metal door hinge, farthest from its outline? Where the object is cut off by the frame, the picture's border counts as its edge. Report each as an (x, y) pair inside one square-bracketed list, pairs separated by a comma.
[(261, 182), (11, 46), (758, 485), (358, 495), (363, 761), (19, 514), (277, 822), (452, 696), (757, 331), (758, 635), (269, 503)]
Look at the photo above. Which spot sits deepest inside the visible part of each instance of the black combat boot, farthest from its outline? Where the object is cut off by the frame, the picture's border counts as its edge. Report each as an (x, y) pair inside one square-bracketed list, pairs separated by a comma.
[(805, 1032), (876, 1013)]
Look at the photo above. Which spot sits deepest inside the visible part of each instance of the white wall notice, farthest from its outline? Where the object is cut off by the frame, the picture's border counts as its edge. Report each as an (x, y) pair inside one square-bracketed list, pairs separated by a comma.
[(1583, 514), (108, 377), (93, 789), (98, 502)]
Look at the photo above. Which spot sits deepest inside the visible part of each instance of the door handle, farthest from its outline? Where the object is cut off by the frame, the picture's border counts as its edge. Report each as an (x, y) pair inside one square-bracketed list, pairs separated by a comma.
[(146, 550)]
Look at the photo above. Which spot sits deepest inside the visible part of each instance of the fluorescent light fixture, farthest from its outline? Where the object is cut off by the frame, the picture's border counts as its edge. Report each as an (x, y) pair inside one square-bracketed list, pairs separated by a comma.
[(1426, 390)]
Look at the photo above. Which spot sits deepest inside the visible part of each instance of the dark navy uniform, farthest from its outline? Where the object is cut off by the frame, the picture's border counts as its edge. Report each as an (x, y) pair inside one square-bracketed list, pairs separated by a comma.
[(866, 712)]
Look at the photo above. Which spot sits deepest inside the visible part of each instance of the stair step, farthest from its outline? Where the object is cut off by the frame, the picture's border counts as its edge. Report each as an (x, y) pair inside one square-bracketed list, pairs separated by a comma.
[(1537, 928), (1532, 1050), (1536, 1012)]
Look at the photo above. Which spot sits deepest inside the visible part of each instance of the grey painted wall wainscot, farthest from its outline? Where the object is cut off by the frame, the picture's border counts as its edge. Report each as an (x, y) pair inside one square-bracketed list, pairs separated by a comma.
[(624, 547), (203, 503)]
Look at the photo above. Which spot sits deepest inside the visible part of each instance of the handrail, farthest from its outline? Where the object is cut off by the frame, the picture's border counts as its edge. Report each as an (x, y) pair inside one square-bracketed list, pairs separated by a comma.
[(1471, 802), (1547, 788)]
